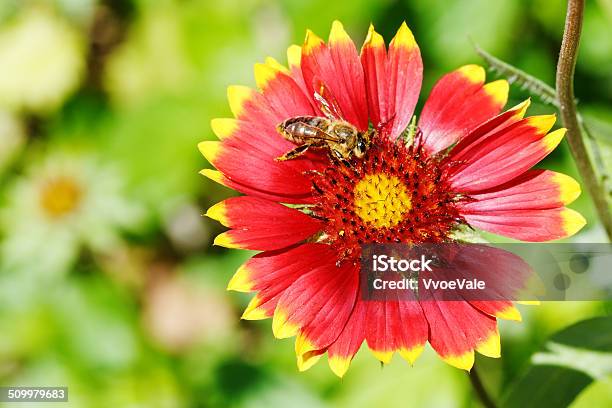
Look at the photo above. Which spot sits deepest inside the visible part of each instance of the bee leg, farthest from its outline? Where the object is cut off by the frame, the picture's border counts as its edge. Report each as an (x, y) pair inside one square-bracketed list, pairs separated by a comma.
[(335, 155), (347, 163), (292, 154)]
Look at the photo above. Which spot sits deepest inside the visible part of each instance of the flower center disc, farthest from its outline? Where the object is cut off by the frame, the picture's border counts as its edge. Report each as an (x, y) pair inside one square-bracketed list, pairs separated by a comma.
[(381, 200), (60, 196), (395, 193)]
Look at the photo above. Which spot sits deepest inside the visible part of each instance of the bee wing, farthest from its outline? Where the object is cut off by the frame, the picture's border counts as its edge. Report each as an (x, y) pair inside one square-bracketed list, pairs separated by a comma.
[(326, 102), (320, 134)]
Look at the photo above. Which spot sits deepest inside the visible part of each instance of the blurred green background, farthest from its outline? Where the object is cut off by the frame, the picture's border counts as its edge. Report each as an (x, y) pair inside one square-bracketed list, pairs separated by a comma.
[(108, 280)]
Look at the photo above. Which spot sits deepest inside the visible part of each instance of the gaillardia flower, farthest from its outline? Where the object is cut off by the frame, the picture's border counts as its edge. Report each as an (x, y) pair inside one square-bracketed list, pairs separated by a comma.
[(463, 164)]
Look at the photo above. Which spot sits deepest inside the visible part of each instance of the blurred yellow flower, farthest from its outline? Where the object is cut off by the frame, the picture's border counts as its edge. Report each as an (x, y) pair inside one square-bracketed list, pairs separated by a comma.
[(60, 205), (60, 196), (41, 61)]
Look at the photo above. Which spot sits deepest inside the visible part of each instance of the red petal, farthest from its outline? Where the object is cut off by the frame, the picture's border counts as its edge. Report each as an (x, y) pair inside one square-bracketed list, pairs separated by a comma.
[(498, 308), (405, 75), (393, 81), (284, 180), (374, 61), (294, 56), (529, 225), (508, 277), (251, 141), (504, 155), (395, 325), (505, 273), (271, 273), (339, 68), (488, 129), (220, 178), (260, 224), (458, 103), (283, 95), (535, 189), (341, 352), (456, 329), (329, 319), (323, 293)]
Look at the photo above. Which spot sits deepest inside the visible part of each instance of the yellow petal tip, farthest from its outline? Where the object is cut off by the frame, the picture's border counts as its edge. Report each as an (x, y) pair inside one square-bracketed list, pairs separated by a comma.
[(552, 140), (223, 127), (522, 107), (411, 355), (213, 175), (463, 361), (573, 221), (373, 39), (303, 345), (498, 91), (542, 123), (383, 356), (491, 346), (210, 150), (241, 281), (281, 327), (218, 212), (404, 37), (338, 34), (225, 240), (474, 73), (569, 189), (509, 313), (529, 302), (294, 55), (264, 73), (275, 65), (311, 42), (238, 96), (254, 311), (306, 361), (339, 365)]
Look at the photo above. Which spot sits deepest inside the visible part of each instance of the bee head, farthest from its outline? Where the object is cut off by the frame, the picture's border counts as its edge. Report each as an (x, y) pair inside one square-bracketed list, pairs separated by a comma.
[(361, 145)]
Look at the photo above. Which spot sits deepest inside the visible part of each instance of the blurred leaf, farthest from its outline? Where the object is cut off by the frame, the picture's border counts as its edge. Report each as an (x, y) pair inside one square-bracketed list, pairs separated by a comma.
[(571, 360), (514, 75), (450, 24), (94, 324), (156, 143), (547, 386), (12, 138), (595, 394), (596, 55)]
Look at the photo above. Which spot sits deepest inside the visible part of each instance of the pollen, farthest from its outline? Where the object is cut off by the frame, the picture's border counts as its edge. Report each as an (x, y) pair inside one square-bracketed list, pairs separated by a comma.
[(381, 200), (60, 196)]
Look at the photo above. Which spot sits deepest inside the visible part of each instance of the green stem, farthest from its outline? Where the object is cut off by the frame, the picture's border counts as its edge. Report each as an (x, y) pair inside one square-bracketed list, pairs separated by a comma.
[(480, 390), (569, 116)]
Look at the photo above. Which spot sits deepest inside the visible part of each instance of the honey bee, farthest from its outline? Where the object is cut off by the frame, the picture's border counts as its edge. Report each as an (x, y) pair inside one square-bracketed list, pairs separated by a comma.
[(342, 139)]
